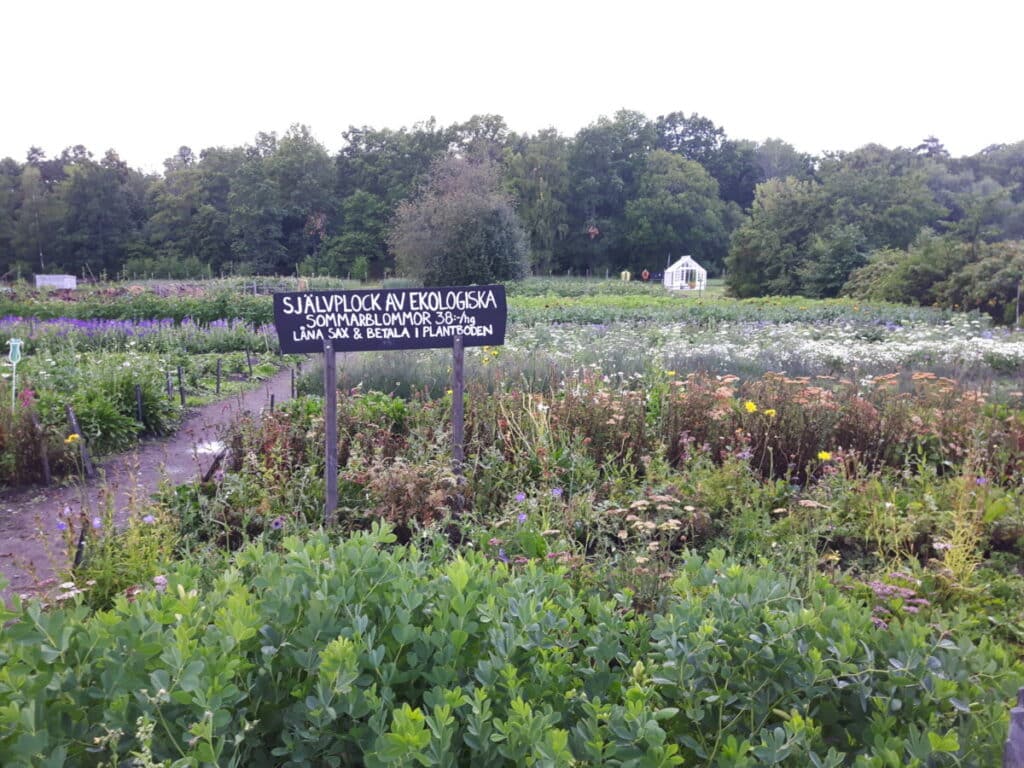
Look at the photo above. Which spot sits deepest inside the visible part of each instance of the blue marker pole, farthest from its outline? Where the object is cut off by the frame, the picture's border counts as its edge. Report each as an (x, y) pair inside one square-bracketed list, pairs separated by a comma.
[(13, 355)]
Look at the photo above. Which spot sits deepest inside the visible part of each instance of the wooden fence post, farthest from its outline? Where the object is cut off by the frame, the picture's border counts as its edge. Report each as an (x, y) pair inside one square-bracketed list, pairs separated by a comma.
[(458, 416), (331, 433), (138, 405), (43, 453)]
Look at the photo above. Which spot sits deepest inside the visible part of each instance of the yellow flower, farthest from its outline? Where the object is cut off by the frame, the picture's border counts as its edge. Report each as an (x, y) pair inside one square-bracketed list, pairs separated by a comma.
[(73, 438), (670, 373), (824, 456), (751, 406), (769, 412)]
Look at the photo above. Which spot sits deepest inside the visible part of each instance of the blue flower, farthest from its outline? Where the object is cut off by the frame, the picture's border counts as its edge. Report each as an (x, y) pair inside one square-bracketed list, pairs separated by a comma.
[(97, 523), (502, 556), (277, 523), (149, 519), (521, 518), (556, 492), (520, 496), (61, 525)]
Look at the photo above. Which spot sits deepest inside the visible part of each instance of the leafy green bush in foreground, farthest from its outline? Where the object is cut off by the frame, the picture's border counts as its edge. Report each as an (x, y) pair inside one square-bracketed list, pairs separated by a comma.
[(363, 653)]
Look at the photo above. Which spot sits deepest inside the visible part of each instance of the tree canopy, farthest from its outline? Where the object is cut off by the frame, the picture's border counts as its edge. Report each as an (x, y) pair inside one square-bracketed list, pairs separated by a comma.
[(462, 229), (624, 192)]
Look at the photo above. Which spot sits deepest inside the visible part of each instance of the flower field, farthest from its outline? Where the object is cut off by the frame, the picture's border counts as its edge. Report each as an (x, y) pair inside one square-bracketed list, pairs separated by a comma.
[(690, 531)]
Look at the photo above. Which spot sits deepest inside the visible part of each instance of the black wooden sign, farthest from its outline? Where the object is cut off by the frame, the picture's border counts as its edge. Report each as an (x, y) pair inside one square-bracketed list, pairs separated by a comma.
[(379, 319)]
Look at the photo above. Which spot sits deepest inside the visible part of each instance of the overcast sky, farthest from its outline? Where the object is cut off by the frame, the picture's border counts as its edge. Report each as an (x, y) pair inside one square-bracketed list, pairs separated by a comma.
[(147, 76)]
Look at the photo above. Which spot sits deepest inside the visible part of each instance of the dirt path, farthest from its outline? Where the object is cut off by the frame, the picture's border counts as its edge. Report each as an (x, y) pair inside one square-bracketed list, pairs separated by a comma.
[(30, 544)]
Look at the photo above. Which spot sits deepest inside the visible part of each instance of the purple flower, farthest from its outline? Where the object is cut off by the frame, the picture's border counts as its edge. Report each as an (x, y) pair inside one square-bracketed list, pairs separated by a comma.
[(981, 481), (502, 556), (97, 523), (277, 523), (520, 496), (160, 582), (556, 492), (149, 519), (521, 518), (62, 526)]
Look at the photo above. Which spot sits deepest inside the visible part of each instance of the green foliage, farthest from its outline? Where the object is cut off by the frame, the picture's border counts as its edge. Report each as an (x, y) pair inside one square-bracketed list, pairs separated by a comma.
[(677, 210), (462, 230), (365, 653)]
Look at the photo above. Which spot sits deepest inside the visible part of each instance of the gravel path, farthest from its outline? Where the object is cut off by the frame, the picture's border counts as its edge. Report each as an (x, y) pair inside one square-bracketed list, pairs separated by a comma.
[(30, 544)]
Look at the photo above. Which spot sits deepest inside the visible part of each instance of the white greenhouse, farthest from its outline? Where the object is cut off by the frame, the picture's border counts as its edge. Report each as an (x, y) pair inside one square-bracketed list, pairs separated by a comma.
[(686, 275)]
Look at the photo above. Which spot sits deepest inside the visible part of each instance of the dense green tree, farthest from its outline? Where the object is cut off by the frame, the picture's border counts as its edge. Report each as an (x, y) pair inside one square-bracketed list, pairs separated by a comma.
[(913, 275), (256, 213), (884, 192), (768, 251), (733, 164), (303, 173), (677, 211), (10, 174), (605, 164), (992, 282), (461, 230), (99, 216), (36, 231), (778, 159), (537, 174), (831, 256)]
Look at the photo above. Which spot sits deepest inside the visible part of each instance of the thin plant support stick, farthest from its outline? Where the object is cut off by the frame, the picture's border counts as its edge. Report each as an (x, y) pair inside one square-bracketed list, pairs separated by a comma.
[(458, 415), (87, 467), (43, 453), (331, 434)]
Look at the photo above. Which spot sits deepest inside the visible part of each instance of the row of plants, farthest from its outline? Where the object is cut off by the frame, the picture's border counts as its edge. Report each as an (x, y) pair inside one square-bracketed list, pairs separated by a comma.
[(162, 336), (532, 301), (307, 652), (117, 398), (640, 585)]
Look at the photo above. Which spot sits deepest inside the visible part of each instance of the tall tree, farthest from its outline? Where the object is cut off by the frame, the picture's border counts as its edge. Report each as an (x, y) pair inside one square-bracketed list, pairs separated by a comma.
[(605, 164), (303, 173), (537, 173), (677, 211), (462, 229), (99, 214), (768, 251)]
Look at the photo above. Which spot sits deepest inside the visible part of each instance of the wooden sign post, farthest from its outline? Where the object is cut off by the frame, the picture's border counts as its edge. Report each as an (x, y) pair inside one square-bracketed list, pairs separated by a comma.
[(383, 320)]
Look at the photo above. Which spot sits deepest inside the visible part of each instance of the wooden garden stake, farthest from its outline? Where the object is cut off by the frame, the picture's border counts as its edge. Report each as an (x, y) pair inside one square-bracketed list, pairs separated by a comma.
[(218, 375), (43, 453), (138, 404), (458, 417), (181, 386), (331, 433)]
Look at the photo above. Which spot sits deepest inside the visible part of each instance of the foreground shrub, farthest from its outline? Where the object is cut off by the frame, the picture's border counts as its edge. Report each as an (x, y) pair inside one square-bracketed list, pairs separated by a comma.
[(364, 654)]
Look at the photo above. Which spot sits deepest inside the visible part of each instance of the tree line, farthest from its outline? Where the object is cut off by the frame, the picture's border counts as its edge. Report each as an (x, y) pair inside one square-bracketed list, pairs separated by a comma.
[(626, 191)]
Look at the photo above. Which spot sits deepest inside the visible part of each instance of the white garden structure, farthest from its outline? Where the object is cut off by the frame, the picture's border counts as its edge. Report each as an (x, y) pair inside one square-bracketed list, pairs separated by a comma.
[(686, 274)]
